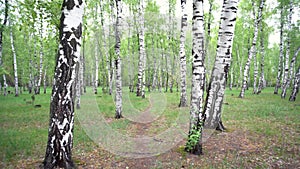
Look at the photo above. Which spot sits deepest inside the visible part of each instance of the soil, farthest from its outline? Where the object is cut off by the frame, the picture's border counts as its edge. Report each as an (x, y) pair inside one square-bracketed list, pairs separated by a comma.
[(232, 149)]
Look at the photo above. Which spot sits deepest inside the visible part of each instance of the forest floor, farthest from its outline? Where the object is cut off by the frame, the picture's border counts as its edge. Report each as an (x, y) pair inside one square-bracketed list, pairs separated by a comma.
[(263, 131)]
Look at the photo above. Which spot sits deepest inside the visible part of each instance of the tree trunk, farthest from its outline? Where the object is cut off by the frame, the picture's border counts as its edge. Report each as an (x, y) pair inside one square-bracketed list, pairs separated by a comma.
[(41, 60), (252, 51), (45, 80), (219, 76), (142, 56), (107, 77), (286, 79), (194, 145), (110, 61), (118, 62), (95, 84), (255, 73), (208, 60), (231, 78), (262, 62), (296, 86), (183, 95), (15, 61), (154, 81), (287, 84), (61, 123), (1, 34)]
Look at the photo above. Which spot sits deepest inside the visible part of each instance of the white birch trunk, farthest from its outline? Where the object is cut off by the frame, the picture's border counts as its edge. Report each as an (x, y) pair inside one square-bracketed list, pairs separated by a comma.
[(198, 80), (110, 60), (15, 61), (219, 76), (183, 95), (252, 51), (262, 62), (1, 34), (285, 83), (96, 67), (295, 86), (142, 57), (118, 62), (255, 74), (61, 124), (41, 60), (45, 80)]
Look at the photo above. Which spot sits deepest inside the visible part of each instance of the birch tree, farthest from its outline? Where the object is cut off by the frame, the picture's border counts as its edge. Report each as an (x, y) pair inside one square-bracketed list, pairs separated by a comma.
[(295, 86), (279, 72), (1, 34), (142, 56), (261, 81), (61, 123), (286, 82), (183, 96), (14, 61), (252, 51), (194, 143), (118, 62), (291, 74), (217, 84), (39, 81)]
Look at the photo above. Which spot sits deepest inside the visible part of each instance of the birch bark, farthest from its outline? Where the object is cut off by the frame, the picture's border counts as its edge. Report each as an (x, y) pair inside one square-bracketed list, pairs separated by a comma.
[(216, 88), (286, 82), (118, 62), (252, 51), (198, 81), (183, 95), (14, 61), (61, 124)]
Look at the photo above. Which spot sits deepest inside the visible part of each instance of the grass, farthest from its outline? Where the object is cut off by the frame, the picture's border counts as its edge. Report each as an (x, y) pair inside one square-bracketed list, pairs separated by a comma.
[(272, 121)]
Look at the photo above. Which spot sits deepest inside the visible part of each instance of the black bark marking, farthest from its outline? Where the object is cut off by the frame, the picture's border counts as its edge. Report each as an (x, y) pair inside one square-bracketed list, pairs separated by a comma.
[(70, 4)]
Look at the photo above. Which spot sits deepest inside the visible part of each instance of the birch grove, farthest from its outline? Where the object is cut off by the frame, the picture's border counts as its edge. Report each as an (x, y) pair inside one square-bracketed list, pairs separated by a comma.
[(252, 51)]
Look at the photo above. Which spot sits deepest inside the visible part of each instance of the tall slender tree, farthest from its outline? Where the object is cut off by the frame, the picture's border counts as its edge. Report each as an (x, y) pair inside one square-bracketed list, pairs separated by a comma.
[(183, 95), (194, 143), (217, 84), (279, 72), (14, 60), (261, 81), (118, 62), (291, 74), (39, 81), (286, 83), (142, 55), (252, 51), (61, 124), (295, 86), (1, 34)]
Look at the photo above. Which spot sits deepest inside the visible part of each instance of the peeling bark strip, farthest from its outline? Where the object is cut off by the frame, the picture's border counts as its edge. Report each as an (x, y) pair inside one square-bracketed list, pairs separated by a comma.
[(216, 89), (61, 124), (198, 80), (183, 96), (252, 51), (118, 63)]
